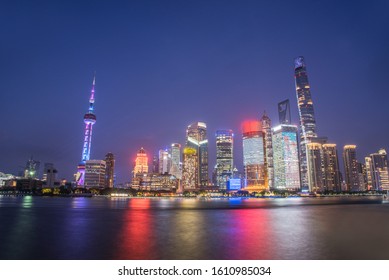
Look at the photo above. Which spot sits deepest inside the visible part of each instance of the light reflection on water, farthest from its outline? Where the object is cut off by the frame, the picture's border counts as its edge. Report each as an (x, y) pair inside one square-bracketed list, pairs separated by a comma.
[(166, 228)]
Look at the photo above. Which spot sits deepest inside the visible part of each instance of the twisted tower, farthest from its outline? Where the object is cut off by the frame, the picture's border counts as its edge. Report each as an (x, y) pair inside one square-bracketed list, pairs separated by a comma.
[(89, 120)]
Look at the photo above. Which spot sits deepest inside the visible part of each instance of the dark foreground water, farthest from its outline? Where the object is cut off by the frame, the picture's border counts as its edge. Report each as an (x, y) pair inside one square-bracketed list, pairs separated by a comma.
[(105, 228)]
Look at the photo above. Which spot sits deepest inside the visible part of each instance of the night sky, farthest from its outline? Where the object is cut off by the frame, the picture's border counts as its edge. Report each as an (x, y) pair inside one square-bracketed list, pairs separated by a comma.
[(161, 65)]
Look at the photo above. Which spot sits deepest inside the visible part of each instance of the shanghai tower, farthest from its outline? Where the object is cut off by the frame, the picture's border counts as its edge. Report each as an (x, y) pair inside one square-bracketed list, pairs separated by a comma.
[(89, 120), (307, 116)]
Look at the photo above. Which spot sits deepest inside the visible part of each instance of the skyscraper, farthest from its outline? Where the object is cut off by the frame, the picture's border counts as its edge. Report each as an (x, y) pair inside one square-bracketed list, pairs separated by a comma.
[(89, 120), (307, 116), (94, 174), (141, 163), (379, 170), (351, 168), (332, 181), (49, 174), (175, 168), (254, 156), (224, 157), (164, 161), (315, 172), (109, 170), (286, 160), (190, 169), (196, 137), (284, 112), (32, 169), (266, 129)]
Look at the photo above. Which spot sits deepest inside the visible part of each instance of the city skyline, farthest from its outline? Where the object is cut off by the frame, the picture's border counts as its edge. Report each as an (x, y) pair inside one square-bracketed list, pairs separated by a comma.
[(252, 77)]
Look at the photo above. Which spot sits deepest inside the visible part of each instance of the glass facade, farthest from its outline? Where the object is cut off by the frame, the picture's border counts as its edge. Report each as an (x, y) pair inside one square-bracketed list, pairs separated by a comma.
[(224, 157)]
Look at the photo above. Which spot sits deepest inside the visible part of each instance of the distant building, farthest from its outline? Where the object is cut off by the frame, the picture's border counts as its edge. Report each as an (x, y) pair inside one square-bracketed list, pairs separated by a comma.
[(332, 177), (379, 170), (315, 172), (49, 175), (307, 116), (286, 160), (269, 162), (164, 161), (32, 169), (196, 138), (224, 157), (175, 168), (109, 170), (155, 168), (254, 156), (95, 174), (190, 178), (284, 112), (155, 182), (362, 177), (141, 163), (351, 168)]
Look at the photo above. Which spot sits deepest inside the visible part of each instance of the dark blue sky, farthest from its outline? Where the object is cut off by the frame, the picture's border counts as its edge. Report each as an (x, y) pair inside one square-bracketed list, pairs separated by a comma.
[(164, 64)]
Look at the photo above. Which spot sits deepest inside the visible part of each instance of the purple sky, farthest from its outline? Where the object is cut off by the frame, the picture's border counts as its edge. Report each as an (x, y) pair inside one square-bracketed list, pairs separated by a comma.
[(161, 65)]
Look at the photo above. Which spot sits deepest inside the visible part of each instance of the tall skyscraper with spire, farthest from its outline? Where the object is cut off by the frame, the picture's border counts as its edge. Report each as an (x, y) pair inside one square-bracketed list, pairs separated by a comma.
[(89, 120), (307, 116)]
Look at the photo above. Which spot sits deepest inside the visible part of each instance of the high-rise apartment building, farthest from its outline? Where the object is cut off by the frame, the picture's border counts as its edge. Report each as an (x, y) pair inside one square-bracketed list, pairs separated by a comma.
[(286, 159), (109, 170), (95, 174), (196, 138), (89, 120), (351, 168), (332, 181), (254, 156), (269, 165), (307, 116), (379, 170), (190, 169), (141, 163), (224, 157)]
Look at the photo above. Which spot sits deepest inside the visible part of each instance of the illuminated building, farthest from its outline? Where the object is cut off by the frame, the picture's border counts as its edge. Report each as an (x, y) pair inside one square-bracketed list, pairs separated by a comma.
[(286, 160), (155, 182), (95, 174), (164, 161), (307, 116), (224, 157), (379, 170), (49, 174), (266, 129), (369, 170), (254, 156), (315, 174), (332, 181), (109, 170), (284, 112), (141, 163), (32, 169), (155, 164), (362, 179), (190, 169), (175, 168), (89, 120), (351, 168), (196, 137)]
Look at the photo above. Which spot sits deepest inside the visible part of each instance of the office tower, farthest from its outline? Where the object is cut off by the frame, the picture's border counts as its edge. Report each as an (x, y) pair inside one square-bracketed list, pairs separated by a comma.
[(141, 163), (307, 116), (351, 168), (224, 157), (109, 170), (155, 164), (284, 112), (95, 174), (379, 170), (362, 177), (315, 172), (369, 170), (89, 120), (164, 161), (196, 137), (190, 169), (266, 129), (175, 168), (286, 160), (332, 181), (32, 169), (254, 156), (49, 174)]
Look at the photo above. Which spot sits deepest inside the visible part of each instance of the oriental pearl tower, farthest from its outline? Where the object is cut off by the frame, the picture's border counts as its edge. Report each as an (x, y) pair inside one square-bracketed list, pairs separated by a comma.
[(89, 120)]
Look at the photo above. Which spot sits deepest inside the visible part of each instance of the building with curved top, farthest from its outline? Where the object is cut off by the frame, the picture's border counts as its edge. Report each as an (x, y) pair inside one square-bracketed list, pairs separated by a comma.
[(141, 163)]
